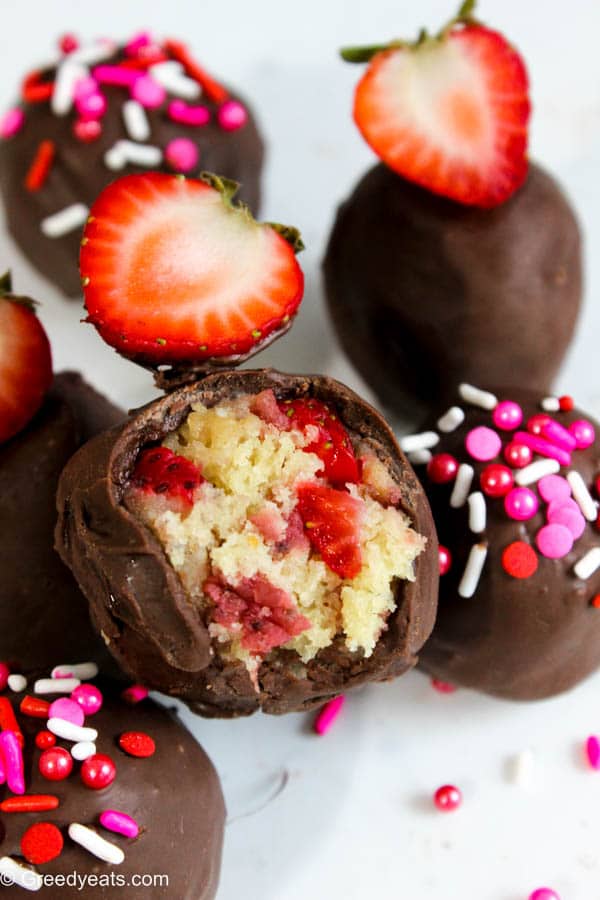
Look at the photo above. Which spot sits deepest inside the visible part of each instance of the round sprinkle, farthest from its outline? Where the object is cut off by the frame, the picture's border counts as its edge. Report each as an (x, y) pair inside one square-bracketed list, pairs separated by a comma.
[(87, 130), (592, 748), (148, 92), (98, 771), (519, 560), (55, 764), (12, 122), (521, 504), (518, 455), (68, 43), (596, 601), (41, 843), (442, 468), (570, 518), (182, 154), (554, 487), (483, 443), (447, 798), (4, 675), (134, 694), (508, 415), (89, 698), (17, 683), (566, 403), (445, 558), (119, 822), (496, 480), (232, 115), (583, 432), (442, 687), (544, 893), (536, 423), (137, 743), (91, 106), (44, 740), (554, 541), (555, 505), (68, 710)]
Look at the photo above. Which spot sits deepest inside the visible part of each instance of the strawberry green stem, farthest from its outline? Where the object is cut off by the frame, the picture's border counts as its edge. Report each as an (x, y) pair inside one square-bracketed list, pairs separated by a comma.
[(5, 284)]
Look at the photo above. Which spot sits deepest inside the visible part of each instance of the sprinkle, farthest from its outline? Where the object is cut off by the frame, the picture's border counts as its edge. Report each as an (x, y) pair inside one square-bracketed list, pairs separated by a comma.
[(4, 673), (124, 152), (519, 560), (462, 485), (451, 419), (170, 75), (596, 601), (537, 470), (98, 771), (483, 444), (8, 721), (232, 115), (477, 397), (442, 468), (134, 694), (82, 671), (29, 803), (137, 42), (496, 480), (442, 687), (34, 89), (137, 743), (422, 441), (588, 564), (445, 559), (92, 106), (87, 130), (55, 685), (17, 683), (55, 764), (582, 496), (136, 120), (2, 771), (583, 432), (592, 748), (44, 740), (68, 43), (148, 92), (570, 518), (477, 512), (550, 404), (566, 403), (536, 423), (181, 112), (12, 122), (12, 756), (517, 455), (507, 415), (98, 846), (554, 487), (63, 94), (521, 768), (213, 90), (555, 432), (119, 822), (473, 570), (182, 154), (82, 749), (71, 732), (554, 541), (447, 798), (93, 53), (33, 706), (543, 447), (64, 221), (116, 75), (41, 843), (13, 871), (419, 457), (544, 893), (67, 710), (328, 714), (40, 167), (89, 698)]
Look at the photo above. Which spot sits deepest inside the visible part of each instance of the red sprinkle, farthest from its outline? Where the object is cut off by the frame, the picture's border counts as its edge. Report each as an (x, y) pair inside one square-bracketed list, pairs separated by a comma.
[(8, 721), (566, 403), (41, 843), (68, 43), (442, 468), (136, 743), (4, 673), (443, 687), (29, 803), (596, 601), (45, 739), (447, 798), (34, 90), (134, 694), (213, 90), (34, 706), (519, 560), (87, 130), (98, 771), (41, 165), (55, 764), (445, 558)]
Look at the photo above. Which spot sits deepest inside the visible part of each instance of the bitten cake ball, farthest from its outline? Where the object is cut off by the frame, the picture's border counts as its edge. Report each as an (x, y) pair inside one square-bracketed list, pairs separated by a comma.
[(104, 110), (104, 795), (513, 480)]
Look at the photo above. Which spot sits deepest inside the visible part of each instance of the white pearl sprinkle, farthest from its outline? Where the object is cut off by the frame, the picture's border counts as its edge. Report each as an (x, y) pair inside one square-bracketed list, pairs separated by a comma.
[(476, 397), (97, 845)]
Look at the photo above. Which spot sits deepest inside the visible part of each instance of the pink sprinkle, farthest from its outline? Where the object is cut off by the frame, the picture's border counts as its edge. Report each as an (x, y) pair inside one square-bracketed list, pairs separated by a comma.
[(554, 432), (180, 111), (570, 518), (483, 443), (134, 694), (148, 92), (4, 673), (12, 755), (443, 687), (554, 487), (136, 43), (592, 747), (88, 697), (118, 75), (91, 106), (232, 115), (68, 710), (583, 432), (555, 505), (554, 541), (119, 822), (544, 893), (543, 447), (507, 415), (2, 771), (521, 504), (68, 43), (12, 122), (182, 154), (85, 87), (328, 714), (87, 130)]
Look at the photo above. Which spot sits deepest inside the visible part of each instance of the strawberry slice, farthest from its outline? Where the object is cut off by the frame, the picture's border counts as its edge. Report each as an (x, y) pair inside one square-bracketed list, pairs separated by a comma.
[(332, 521), (332, 444), (175, 273), (25, 362), (160, 471), (449, 113)]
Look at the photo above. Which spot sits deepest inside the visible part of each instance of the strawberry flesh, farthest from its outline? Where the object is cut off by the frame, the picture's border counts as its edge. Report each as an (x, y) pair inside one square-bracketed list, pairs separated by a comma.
[(332, 444), (160, 471), (332, 522)]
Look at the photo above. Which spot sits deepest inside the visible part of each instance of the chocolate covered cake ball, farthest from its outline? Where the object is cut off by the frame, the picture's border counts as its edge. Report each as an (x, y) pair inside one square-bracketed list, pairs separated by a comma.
[(253, 539), (513, 484), (449, 260), (105, 110), (104, 797)]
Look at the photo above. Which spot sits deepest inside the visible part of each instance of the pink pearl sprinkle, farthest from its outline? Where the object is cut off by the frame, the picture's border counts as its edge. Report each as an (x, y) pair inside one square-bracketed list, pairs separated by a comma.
[(232, 115), (4, 673), (554, 487), (119, 75), (181, 112), (507, 415), (554, 541), (182, 154), (91, 106), (583, 432), (543, 447), (12, 122), (134, 694), (554, 432), (483, 443), (521, 504), (592, 748), (68, 710), (148, 92), (544, 893), (88, 697), (570, 518), (328, 714), (119, 822)]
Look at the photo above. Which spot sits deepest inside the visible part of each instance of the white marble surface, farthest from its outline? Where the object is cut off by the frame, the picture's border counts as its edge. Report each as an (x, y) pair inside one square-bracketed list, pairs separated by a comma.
[(353, 817)]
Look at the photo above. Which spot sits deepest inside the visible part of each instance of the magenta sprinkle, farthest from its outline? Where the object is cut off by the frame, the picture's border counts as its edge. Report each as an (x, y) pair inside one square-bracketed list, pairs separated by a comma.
[(543, 447), (483, 443), (88, 697), (544, 893), (554, 487), (119, 822), (328, 714), (583, 432), (2, 771), (570, 518), (4, 673), (117, 75), (507, 415), (182, 154), (85, 87), (134, 694), (136, 43), (12, 122), (521, 504), (68, 710), (180, 111), (147, 91), (91, 106), (558, 435), (554, 541), (592, 748), (232, 115), (12, 755)]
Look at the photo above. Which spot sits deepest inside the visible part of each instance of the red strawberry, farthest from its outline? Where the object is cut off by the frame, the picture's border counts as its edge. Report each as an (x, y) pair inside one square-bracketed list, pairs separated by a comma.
[(332, 444), (449, 112), (332, 521), (174, 272), (25, 362), (160, 471)]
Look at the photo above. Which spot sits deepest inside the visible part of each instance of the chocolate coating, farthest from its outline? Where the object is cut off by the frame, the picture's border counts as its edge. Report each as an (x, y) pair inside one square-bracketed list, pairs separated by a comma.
[(425, 293), (524, 639), (174, 796), (139, 605), (43, 617), (79, 172)]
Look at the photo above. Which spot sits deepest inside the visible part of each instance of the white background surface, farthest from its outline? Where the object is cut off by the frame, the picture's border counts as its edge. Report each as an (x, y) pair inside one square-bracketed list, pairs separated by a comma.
[(355, 819)]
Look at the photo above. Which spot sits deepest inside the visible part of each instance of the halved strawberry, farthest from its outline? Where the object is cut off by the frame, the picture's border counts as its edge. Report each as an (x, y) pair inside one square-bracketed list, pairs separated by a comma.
[(332, 444), (174, 272), (332, 521), (448, 112), (25, 362), (160, 471)]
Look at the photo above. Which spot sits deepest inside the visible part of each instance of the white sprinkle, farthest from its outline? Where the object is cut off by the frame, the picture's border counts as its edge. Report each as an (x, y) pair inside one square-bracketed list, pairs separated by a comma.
[(582, 496), (64, 221), (477, 512), (63, 93), (55, 685), (473, 569), (419, 457), (536, 470), (136, 120), (451, 419), (521, 768), (476, 397), (114, 159), (171, 76), (83, 671), (17, 682), (97, 845), (71, 732), (550, 404), (462, 485), (15, 873), (588, 564), (82, 749), (123, 152), (94, 53), (422, 441)]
